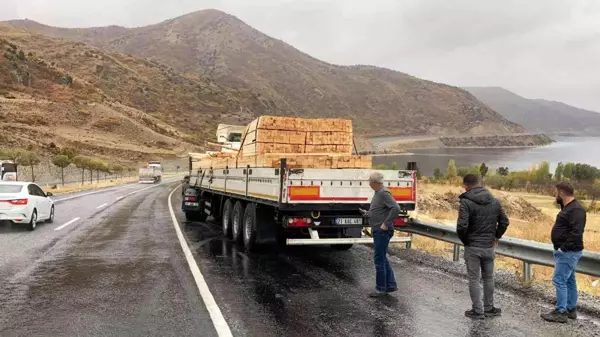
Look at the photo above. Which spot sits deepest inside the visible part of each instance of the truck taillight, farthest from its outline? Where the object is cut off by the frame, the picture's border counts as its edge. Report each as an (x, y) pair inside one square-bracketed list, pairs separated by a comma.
[(190, 198), (401, 221), (299, 222), (19, 202)]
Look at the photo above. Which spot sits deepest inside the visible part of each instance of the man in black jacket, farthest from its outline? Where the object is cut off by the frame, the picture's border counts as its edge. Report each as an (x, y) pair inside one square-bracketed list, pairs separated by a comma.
[(481, 223), (567, 238)]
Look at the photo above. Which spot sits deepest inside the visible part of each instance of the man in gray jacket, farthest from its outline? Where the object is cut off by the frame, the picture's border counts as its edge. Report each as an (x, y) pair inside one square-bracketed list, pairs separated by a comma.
[(382, 212), (481, 223)]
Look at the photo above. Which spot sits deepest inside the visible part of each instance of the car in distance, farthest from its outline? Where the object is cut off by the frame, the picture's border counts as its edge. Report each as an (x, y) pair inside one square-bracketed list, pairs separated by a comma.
[(25, 203)]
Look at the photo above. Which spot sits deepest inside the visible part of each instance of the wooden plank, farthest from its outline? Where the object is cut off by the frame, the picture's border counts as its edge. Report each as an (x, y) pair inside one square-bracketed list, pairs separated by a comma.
[(281, 136), (328, 138), (266, 148), (329, 124), (304, 124)]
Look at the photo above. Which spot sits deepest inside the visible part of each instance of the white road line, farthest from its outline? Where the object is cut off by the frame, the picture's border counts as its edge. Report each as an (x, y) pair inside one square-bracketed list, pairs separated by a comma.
[(101, 206), (121, 197), (89, 193), (143, 189), (66, 224), (213, 309)]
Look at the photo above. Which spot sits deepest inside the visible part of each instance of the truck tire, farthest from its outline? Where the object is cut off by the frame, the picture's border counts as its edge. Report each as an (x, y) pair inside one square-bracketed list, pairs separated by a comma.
[(342, 247), (227, 216), (250, 227), (237, 220)]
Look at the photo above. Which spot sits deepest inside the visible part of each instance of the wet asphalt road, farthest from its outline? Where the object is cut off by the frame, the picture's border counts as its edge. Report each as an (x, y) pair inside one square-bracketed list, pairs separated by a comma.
[(119, 270)]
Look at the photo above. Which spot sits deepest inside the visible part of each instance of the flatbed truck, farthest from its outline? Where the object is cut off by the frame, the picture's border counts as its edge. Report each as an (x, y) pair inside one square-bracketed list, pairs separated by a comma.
[(293, 206)]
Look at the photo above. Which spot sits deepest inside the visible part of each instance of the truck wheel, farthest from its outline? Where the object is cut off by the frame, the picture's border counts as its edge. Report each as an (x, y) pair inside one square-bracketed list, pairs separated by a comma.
[(226, 220), (341, 247), (237, 219), (250, 227)]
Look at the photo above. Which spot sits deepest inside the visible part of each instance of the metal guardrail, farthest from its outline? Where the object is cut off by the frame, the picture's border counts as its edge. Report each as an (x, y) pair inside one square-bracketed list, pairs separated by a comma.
[(530, 252)]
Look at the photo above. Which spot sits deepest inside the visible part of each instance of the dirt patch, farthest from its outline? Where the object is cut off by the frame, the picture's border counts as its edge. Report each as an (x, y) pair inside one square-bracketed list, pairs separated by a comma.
[(515, 207)]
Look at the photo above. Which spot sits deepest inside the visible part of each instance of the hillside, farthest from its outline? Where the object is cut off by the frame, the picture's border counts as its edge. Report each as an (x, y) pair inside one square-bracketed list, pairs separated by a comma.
[(215, 45), (55, 93), (539, 115)]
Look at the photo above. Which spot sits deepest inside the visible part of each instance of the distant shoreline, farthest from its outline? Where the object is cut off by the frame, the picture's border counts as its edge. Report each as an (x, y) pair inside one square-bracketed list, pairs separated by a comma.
[(410, 153), (402, 146)]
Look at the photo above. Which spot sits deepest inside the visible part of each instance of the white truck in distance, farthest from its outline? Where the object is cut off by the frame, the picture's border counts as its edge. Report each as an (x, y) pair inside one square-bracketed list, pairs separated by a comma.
[(150, 175)]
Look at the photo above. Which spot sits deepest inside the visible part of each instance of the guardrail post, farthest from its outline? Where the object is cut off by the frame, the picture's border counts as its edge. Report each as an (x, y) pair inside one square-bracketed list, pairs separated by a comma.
[(456, 253), (527, 272), (408, 243)]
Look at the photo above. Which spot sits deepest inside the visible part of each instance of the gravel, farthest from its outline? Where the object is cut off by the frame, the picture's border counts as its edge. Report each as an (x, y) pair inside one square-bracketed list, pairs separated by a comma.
[(588, 304)]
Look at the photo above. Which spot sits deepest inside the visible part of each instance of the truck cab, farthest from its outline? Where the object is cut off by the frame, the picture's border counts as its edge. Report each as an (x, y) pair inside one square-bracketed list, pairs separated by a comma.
[(8, 170), (230, 137)]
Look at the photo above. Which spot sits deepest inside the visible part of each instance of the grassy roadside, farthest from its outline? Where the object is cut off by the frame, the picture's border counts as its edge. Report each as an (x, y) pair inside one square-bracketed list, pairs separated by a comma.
[(98, 185), (532, 217)]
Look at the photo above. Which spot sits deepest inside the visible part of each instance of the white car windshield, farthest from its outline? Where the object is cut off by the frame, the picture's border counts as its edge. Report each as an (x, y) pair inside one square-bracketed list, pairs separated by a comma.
[(10, 188)]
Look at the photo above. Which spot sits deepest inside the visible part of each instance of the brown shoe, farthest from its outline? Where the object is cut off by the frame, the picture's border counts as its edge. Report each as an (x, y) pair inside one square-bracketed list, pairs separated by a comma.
[(572, 313), (555, 316)]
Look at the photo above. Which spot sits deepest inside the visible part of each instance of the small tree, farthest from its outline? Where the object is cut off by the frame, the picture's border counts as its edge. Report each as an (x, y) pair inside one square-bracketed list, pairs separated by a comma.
[(118, 170), (503, 171), (30, 159), (61, 161), (483, 169), (99, 166), (451, 170), (69, 152), (437, 173), (542, 173), (14, 154), (567, 171), (21, 55), (558, 173), (81, 162)]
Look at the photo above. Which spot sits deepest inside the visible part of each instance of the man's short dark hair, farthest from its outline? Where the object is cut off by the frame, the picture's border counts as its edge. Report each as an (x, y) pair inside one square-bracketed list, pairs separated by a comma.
[(566, 188), (470, 180)]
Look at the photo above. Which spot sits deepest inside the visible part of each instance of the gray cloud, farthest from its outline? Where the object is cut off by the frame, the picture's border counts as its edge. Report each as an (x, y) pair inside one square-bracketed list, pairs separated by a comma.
[(537, 48)]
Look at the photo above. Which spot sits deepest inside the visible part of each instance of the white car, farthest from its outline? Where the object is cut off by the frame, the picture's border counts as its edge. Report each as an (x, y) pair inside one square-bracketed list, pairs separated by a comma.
[(25, 203)]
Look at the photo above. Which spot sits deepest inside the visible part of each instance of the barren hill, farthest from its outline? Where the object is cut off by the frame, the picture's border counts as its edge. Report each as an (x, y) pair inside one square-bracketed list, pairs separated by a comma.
[(56, 92), (539, 115), (216, 45)]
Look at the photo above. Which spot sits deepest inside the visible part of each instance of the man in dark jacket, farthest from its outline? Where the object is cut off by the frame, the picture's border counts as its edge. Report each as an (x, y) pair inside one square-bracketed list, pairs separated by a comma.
[(481, 223), (567, 238)]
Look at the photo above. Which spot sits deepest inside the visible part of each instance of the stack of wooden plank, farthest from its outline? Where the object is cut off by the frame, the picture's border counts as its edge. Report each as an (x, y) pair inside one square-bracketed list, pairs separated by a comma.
[(279, 135), (305, 143)]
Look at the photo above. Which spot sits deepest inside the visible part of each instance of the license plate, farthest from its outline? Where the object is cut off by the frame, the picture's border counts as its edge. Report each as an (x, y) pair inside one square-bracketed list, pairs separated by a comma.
[(348, 221), (192, 204)]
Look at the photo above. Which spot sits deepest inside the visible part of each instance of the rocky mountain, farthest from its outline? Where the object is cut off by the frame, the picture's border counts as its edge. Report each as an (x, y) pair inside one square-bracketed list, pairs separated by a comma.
[(539, 115), (220, 49), (56, 93)]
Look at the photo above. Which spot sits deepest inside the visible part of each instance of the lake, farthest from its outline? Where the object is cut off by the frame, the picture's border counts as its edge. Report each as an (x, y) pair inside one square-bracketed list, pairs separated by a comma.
[(565, 149)]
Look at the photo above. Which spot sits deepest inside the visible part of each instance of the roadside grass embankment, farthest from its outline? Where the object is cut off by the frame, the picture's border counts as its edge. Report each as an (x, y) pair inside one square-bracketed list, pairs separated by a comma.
[(532, 217), (78, 187)]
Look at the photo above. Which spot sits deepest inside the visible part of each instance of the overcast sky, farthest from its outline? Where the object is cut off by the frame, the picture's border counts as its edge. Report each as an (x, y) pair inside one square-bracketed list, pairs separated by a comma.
[(537, 48)]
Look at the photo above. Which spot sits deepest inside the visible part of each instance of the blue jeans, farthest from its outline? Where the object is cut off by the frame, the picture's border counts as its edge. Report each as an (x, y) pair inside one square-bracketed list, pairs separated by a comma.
[(564, 279), (384, 275)]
